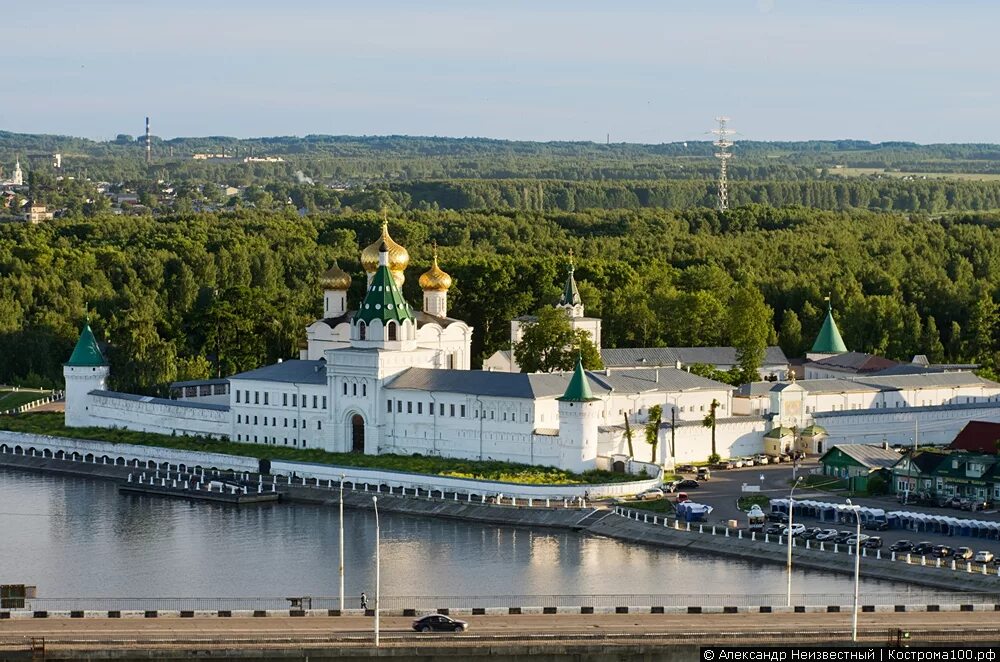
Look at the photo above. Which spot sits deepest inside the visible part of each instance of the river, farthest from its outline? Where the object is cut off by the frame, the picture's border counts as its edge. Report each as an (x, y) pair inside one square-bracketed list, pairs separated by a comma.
[(78, 537)]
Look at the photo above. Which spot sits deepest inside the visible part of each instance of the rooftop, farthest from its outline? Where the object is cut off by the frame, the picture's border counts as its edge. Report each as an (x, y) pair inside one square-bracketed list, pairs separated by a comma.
[(289, 372), (978, 437), (856, 362), (187, 404), (622, 357), (873, 457)]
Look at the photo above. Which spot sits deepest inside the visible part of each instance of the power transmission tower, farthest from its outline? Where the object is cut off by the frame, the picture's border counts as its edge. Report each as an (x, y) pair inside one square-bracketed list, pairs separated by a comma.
[(723, 143)]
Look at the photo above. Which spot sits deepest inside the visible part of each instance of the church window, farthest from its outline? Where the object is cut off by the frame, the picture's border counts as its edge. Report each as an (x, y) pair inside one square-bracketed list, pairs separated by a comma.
[(238, 418), (237, 395), (453, 411), (355, 391), (399, 406), (388, 406), (345, 388), (391, 330), (364, 390), (362, 331), (462, 411), (265, 398), (420, 407), (409, 407), (324, 402), (441, 411), (256, 397), (451, 362)]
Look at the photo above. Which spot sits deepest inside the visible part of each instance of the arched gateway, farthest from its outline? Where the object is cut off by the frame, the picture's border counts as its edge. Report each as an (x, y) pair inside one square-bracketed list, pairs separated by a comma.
[(357, 434)]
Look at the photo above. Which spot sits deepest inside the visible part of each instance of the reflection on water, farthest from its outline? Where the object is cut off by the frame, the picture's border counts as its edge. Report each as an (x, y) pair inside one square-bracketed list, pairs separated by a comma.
[(76, 537)]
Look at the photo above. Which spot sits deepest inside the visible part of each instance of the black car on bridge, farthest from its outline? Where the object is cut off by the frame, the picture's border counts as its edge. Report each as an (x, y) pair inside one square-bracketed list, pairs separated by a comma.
[(439, 623)]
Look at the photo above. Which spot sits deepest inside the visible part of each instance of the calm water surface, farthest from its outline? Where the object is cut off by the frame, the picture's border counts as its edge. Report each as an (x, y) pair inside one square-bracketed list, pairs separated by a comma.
[(77, 537)]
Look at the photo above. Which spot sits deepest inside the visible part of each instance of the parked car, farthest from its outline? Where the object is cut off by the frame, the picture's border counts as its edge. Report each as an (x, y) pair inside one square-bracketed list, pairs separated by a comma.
[(725, 464), (775, 516), (983, 556), (953, 502), (687, 484), (784, 457), (682, 497), (901, 546), (703, 473), (760, 459), (686, 469), (775, 529), (796, 530), (843, 536), (941, 551), (827, 534), (923, 548), (670, 486), (854, 539), (738, 463), (748, 462), (963, 553), (439, 623), (811, 533), (877, 525), (652, 494), (874, 542)]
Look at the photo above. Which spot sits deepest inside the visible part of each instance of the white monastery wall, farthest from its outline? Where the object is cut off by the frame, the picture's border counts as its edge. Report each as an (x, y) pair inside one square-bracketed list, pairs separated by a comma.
[(156, 416)]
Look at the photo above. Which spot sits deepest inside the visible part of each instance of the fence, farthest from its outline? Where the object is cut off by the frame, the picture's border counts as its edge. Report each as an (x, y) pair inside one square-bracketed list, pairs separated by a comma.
[(424, 603), (957, 565), (54, 396)]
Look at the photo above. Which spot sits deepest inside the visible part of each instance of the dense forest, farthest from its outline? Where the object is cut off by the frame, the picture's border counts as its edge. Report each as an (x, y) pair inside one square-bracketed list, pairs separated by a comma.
[(193, 295)]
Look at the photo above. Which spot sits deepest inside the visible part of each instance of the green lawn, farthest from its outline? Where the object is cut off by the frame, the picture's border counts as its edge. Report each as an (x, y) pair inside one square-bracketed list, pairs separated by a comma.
[(661, 506), (51, 423), (12, 399)]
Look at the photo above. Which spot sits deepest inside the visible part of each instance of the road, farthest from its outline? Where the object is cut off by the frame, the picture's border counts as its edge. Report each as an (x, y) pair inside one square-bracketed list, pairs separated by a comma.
[(695, 628)]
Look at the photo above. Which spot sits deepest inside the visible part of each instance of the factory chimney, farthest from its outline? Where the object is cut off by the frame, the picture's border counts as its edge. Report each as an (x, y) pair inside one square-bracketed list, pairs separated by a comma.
[(149, 144)]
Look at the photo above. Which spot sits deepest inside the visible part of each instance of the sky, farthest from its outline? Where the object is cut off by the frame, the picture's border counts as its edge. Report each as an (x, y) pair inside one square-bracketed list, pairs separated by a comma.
[(650, 72)]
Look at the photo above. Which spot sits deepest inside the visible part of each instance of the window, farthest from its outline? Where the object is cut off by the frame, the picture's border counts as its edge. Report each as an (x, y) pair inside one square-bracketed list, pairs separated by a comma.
[(362, 331), (441, 412), (239, 418), (265, 421), (295, 423), (505, 416), (303, 424), (255, 420), (295, 399), (355, 391), (526, 417), (399, 406), (324, 402), (237, 396), (345, 388), (391, 330), (462, 411), (265, 397), (319, 426), (388, 404), (274, 421), (430, 408), (255, 439), (491, 414), (420, 407), (364, 390), (284, 399), (452, 411), (286, 423), (256, 397), (409, 407)]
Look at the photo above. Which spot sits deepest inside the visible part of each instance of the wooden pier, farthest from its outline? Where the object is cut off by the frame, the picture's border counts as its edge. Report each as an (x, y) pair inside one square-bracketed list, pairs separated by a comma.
[(200, 487)]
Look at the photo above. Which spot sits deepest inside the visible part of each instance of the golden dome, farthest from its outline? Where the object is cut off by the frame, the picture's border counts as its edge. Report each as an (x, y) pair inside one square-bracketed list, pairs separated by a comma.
[(398, 257), (435, 279), (335, 278)]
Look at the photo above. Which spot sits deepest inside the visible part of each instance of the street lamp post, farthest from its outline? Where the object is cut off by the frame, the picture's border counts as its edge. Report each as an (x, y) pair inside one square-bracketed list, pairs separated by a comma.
[(341, 543), (377, 568), (791, 518), (857, 570)]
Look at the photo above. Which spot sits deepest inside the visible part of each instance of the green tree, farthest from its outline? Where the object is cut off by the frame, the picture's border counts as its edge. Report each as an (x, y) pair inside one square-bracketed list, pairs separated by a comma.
[(548, 343), (653, 429), (790, 336), (930, 341), (628, 436), (709, 422), (750, 327)]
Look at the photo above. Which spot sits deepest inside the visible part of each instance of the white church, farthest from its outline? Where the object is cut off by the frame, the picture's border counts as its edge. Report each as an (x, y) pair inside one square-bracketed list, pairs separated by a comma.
[(387, 378)]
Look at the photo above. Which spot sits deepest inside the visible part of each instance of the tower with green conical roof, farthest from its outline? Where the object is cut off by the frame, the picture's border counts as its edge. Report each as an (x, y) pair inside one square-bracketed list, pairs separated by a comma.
[(828, 341), (579, 419), (85, 371), (384, 320), (570, 299)]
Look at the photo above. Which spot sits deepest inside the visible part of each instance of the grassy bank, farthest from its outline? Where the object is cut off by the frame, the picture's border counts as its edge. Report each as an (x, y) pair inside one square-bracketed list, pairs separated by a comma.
[(10, 399), (51, 423)]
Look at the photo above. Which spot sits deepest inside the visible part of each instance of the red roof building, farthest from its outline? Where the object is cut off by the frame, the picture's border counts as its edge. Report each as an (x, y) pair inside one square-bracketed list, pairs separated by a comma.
[(978, 437)]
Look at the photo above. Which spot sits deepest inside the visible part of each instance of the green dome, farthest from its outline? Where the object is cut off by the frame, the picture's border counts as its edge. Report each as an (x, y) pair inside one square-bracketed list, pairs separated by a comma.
[(829, 341), (86, 353)]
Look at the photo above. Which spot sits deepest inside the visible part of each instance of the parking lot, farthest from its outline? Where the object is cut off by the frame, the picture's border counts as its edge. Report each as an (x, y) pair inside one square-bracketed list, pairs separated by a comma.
[(724, 487)]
